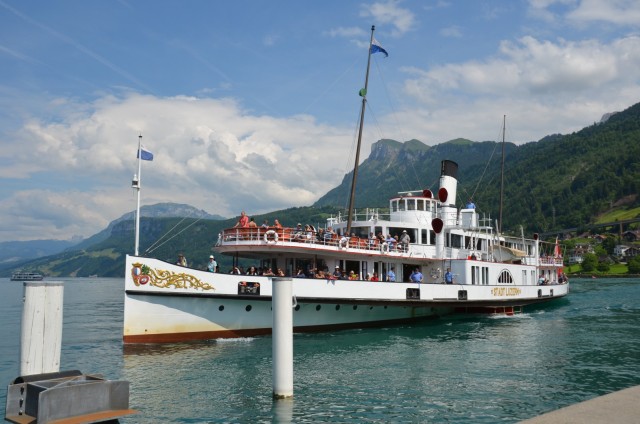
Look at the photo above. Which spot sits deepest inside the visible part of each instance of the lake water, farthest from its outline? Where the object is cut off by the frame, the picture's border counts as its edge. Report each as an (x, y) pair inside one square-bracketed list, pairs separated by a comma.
[(465, 369)]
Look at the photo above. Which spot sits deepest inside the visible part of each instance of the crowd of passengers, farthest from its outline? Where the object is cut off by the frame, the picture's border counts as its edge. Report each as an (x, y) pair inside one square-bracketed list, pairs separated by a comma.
[(337, 274), (308, 233)]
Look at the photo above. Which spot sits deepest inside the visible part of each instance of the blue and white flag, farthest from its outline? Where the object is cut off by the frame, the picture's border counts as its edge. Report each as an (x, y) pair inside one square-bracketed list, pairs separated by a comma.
[(144, 154), (376, 47)]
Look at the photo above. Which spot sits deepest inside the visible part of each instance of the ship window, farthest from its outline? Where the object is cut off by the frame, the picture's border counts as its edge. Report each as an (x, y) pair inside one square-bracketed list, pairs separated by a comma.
[(401, 205), (420, 204), (394, 205), (456, 240), (505, 277), (411, 204)]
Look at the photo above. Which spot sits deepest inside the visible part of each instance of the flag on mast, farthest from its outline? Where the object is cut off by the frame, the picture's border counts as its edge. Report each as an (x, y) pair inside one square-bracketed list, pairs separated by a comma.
[(144, 154), (376, 47)]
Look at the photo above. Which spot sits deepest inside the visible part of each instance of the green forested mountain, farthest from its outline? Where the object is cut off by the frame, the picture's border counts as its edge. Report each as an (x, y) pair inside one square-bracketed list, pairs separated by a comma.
[(558, 182)]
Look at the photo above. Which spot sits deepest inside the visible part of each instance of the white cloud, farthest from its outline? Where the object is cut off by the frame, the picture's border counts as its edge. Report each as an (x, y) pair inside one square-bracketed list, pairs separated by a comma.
[(207, 152), (453, 31), (617, 12), (540, 84), (390, 12)]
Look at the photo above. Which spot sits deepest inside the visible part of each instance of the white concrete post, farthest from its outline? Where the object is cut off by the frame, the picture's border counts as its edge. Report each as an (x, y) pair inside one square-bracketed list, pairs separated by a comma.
[(282, 306), (41, 336)]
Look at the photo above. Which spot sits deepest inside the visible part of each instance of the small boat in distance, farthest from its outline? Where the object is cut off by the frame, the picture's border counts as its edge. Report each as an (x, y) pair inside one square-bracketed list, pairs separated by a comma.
[(26, 276)]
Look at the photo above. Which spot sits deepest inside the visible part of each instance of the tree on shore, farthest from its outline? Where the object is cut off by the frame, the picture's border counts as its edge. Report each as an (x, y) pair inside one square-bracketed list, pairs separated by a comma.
[(634, 265)]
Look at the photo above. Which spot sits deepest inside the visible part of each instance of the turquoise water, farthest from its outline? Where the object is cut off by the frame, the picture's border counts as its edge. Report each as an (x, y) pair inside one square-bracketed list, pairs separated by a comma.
[(467, 369)]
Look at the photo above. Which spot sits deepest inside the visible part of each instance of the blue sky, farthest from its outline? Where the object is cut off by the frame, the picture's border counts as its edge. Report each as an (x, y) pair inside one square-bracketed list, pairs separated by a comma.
[(253, 105)]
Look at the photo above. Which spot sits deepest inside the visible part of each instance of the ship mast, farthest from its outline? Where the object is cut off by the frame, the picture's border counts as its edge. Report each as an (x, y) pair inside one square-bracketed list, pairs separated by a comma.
[(504, 127), (136, 186), (363, 94)]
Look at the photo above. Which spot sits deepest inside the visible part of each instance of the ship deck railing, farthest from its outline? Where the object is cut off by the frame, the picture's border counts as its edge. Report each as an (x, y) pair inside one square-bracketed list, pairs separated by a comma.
[(291, 235)]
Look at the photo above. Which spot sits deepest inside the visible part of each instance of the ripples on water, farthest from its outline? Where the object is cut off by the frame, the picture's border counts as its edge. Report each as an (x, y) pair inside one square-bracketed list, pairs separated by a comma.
[(463, 369)]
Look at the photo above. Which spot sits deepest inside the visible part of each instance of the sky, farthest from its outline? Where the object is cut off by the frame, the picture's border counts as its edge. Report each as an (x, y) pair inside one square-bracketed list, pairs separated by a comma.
[(253, 105)]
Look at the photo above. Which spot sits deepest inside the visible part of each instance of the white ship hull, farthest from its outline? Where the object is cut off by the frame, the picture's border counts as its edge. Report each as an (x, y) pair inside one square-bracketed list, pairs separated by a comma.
[(169, 303)]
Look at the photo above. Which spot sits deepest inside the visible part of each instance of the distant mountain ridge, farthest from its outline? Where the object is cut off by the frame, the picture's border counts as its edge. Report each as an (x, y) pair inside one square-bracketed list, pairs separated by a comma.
[(16, 252), (158, 210), (13, 252)]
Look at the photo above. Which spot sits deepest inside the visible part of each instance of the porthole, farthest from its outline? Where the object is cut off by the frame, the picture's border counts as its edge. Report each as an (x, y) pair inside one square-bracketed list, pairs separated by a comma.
[(221, 308), (248, 308), (355, 307), (385, 306), (337, 307), (318, 307), (297, 308), (370, 307)]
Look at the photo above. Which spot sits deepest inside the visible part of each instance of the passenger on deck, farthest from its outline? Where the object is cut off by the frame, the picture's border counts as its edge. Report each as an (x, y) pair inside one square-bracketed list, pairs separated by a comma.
[(280, 272), (416, 276), (391, 275), (309, 229), (471, 205), (448, 276), (212, 264), (405, 240), (243, 222), (268, 272), (320, 235), (182, 261), (252, 271), (276, 223), (298, 233), (265, 225), (391, 242), (328, 235), (252, 223), (353, 275), (337, 274), (375, 277), (300, 274), (372, 240)]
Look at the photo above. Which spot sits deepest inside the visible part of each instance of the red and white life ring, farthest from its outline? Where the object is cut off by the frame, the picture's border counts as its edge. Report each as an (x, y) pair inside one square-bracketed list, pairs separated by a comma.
[(271, 237)]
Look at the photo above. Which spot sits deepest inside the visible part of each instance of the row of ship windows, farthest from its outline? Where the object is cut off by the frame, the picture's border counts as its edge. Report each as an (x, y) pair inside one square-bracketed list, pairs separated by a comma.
[(297, 308)]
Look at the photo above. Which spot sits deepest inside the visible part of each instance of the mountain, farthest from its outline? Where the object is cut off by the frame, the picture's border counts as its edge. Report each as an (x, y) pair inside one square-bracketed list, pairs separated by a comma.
[(393, 167), (159, 210), (15, 252), (561, 181)]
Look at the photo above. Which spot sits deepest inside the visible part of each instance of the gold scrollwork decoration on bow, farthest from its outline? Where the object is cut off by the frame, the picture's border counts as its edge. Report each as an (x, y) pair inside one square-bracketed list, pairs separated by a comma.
[(143, 274)]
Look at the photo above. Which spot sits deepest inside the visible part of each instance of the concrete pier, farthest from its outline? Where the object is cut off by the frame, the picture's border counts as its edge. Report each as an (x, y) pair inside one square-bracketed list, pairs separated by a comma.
[(620, 407)]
